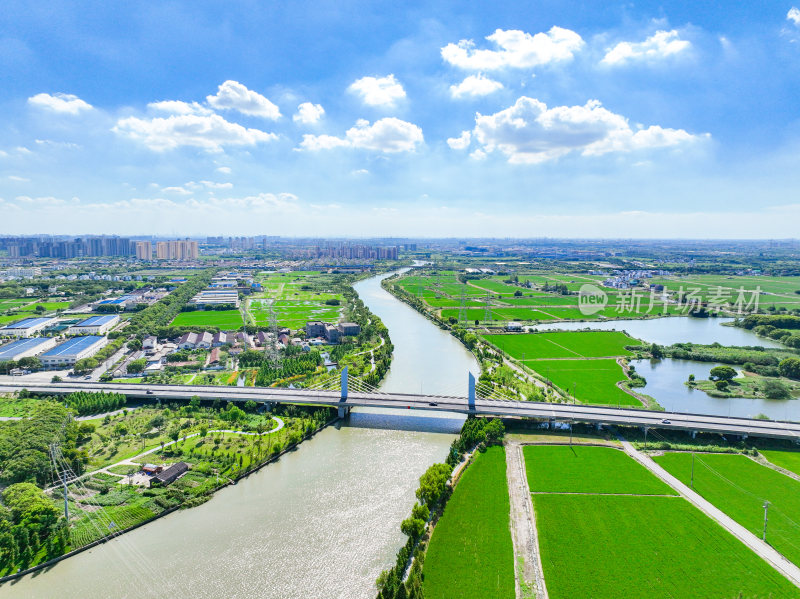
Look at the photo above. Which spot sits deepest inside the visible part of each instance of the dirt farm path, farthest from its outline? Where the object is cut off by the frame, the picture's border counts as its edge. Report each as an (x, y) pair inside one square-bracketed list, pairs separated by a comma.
[(527, 561)]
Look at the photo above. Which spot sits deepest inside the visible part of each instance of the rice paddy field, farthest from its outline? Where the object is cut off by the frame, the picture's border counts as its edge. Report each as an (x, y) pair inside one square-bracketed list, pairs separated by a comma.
[(470, 554), (625, 541), (790, 460), (770, 291), (589, 381), (585, 469), (296, 297), (564, 344), (224, 319), (739, 486)]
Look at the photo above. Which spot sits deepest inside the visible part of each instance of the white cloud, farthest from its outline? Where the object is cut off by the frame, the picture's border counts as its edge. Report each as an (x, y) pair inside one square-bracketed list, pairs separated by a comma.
[(224, 169), (659, 45), (529, 132), (360, 171), (42, 201), (60, 103), (308, 113), (461, 142), (232, 95), (179, 107), (516, 49), (378, 91), (215, 185), (177, 189), (209, 132), (475, 85), (385, 135), (794, 15), (17, 179)]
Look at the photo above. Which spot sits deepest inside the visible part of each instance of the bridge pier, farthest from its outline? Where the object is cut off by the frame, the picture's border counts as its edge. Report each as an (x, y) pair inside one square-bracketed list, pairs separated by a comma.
[(599, 426), (694, 434)]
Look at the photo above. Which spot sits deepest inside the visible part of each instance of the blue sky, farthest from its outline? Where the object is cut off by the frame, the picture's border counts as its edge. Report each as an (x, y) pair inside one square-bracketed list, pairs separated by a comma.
[(586, 119)]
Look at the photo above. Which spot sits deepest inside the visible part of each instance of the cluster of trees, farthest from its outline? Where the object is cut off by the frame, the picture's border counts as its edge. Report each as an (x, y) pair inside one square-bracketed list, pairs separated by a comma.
[(25, 445), (783, 327), (295, 363), (790, 368), (29, 363), (88, 402), (474, 432), (193, 307), (29, 520)]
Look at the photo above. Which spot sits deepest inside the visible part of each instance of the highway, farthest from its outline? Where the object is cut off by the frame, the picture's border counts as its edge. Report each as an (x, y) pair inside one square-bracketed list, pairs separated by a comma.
[(482, 407)]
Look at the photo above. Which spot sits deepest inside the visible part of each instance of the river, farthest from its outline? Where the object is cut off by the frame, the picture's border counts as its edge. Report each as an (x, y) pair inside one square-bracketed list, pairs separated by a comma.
[(321, 522)]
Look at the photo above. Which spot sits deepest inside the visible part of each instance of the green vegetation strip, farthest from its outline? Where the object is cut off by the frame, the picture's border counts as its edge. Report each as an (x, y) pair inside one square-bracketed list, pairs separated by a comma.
[(470, 553), (588, 469), (625, 546), (739, 486), (790, 460)]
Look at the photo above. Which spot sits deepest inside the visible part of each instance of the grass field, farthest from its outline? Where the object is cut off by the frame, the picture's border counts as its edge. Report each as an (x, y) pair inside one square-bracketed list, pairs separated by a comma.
[(590, 381), (739, 486), (604, 546), (585, 469), (790, 460), (630, 542), (564, 344), (470, 555), (224, 319)]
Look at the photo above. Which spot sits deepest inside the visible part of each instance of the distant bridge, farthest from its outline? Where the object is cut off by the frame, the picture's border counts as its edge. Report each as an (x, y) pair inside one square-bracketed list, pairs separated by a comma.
[(344, 399)]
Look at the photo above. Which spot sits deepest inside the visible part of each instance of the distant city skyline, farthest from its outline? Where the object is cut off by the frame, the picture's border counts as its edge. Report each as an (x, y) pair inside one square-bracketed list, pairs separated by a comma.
[(645, 120)]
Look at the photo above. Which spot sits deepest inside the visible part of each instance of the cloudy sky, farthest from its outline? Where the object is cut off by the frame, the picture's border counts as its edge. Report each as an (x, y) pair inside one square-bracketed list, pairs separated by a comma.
[(434, 118)]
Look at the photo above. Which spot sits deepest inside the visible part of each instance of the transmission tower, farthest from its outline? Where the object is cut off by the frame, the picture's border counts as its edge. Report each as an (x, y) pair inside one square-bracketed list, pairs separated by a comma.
[(273, 353), (462, 308), (56, 457), (487, 309)]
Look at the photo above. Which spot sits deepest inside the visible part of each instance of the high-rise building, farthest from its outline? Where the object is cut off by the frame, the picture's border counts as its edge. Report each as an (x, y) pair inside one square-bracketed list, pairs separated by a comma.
[(144, 250), (177, 250)]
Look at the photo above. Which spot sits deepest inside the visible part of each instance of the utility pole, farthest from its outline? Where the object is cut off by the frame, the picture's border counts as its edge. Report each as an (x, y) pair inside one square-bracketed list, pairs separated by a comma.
[(692, 470), (570, 433), (766, 509)]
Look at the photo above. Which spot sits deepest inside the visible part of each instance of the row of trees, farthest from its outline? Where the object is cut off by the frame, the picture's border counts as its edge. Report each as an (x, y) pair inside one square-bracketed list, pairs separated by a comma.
[(87, 402)]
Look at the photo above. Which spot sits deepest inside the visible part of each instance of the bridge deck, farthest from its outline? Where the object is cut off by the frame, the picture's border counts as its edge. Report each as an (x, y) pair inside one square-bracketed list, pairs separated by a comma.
[(484, 407)]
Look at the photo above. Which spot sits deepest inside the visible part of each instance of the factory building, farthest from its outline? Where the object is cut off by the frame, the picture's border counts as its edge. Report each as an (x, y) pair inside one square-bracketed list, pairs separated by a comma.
[(25, 348), (26, 328), (66, 354), (96, 325)]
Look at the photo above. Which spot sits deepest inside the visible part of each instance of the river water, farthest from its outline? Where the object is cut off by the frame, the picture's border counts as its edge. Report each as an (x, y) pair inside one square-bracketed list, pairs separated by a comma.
[(321, 522)]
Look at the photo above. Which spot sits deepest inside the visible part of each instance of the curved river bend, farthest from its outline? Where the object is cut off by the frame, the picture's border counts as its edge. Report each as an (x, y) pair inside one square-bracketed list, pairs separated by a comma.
[(321, 522)]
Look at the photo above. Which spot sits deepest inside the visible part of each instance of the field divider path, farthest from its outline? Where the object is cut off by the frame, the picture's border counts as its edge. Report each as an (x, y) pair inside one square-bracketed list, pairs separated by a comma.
[(523, 524), (762, 549)]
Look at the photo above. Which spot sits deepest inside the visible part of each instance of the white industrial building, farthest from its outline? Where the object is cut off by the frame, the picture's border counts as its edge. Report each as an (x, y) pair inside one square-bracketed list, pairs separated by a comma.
[(216, 297), (96, 325), (26, 328), (72, 350), (25, 348)]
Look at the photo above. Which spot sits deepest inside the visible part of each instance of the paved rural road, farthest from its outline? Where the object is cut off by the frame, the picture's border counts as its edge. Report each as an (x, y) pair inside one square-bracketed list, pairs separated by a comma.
[(766, 552)]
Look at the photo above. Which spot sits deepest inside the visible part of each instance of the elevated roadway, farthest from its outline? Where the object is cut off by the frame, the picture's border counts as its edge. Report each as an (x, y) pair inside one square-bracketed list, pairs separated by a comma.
[(464, 405)]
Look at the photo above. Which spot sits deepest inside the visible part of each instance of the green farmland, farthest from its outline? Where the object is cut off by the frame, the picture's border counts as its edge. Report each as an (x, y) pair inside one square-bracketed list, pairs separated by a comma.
[(631, 543), (224, 319), (789, 460), (739, 486), (585, 468), (590, 381), (470, 555), (606, 546), (564, 344)]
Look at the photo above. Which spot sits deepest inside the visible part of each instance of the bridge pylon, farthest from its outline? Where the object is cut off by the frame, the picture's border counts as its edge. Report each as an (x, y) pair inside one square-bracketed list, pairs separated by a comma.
[(471, 393), (343, 409)]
